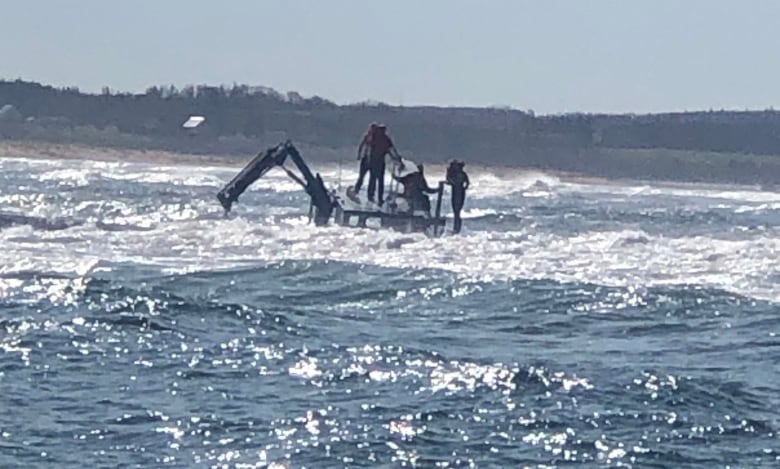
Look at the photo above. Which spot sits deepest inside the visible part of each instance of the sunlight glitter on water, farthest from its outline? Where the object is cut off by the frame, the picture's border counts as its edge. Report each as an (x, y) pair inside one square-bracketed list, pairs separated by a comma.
[(305, 347)]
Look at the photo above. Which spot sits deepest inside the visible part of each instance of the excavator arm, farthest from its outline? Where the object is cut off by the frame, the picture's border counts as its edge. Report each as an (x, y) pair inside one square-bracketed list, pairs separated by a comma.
[(276, 156)]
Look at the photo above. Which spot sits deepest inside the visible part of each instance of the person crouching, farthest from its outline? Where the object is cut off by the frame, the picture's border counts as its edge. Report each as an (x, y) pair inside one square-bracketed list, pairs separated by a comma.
[(415, 188)]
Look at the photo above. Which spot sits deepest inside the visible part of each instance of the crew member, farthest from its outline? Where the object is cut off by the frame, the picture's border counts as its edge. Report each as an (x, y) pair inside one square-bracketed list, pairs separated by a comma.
[(415, 188), (381, 144), (363, 155), (459, 180)]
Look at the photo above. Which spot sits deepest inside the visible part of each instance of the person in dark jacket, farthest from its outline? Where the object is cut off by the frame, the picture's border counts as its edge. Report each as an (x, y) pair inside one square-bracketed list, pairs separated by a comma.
[(459, 180), (415, 188)]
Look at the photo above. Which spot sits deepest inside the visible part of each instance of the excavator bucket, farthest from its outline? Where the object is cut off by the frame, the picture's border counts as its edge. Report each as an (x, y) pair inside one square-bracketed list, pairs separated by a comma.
[(314, 186)]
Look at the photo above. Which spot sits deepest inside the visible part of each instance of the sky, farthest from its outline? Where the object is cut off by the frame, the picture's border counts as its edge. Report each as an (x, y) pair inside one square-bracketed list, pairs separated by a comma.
[(549, 56)]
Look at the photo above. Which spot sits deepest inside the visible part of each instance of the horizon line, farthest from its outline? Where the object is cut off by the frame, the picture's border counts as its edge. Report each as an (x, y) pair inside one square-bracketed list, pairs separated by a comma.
[(378, 103)]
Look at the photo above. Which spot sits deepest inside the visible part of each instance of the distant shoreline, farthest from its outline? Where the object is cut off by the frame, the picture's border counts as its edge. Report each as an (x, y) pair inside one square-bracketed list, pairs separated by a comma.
[(74, 151), (658, 165), (701, 147), (38, 150)]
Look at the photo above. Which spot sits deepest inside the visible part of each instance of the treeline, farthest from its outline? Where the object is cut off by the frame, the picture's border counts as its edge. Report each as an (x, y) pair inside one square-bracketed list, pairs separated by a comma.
[(255, 114), (240, 118), (751, 132)]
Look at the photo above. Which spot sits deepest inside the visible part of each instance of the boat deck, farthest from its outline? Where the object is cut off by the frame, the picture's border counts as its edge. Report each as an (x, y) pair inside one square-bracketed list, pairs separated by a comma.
[(351, 210)]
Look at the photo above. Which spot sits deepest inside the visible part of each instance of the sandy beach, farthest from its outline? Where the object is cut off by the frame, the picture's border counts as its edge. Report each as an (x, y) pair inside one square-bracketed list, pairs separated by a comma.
[(67, 151)]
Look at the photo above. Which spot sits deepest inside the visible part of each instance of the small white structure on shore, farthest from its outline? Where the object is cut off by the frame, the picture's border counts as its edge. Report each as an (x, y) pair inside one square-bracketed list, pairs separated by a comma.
[(193, 121)]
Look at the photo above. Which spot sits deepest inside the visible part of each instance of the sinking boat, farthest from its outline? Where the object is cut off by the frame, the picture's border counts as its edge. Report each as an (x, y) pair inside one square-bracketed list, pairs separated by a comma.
[(338, 205)]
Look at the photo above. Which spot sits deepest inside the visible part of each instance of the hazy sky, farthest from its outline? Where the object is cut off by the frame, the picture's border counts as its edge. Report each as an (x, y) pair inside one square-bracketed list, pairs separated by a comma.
[(545, 55)]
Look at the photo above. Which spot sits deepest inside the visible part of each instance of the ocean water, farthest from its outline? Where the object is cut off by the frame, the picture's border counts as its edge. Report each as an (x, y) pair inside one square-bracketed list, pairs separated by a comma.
[(572, 323)]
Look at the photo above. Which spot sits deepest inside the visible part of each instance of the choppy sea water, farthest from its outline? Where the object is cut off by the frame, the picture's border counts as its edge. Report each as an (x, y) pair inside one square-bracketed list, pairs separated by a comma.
[(571, 323)]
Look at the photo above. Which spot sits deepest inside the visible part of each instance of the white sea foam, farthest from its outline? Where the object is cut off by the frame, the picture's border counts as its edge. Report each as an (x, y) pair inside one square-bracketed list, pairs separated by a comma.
[(194, 236)]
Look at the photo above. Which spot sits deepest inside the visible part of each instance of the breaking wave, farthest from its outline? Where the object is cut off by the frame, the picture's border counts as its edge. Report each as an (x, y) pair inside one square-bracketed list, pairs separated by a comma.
[(573, 321)]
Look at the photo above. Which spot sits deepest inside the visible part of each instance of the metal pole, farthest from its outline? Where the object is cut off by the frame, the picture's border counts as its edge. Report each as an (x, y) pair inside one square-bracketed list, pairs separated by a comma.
[(438, 207), (339, 182)]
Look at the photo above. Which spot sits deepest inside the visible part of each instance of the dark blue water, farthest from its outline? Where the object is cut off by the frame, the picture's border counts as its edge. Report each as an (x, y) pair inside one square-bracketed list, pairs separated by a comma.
[(571, 324)]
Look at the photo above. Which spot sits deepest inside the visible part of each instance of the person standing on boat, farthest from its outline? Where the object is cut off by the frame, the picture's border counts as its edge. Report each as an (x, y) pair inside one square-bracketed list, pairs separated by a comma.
[(363, 155), (459, 180), (381, 144)]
